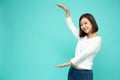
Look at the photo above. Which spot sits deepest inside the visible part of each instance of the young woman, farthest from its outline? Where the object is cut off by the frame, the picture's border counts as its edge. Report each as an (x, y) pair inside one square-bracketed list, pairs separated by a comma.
[(89, 43)]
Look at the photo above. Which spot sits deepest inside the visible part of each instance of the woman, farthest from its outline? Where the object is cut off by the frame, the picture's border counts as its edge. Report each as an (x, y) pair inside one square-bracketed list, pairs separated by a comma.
[(89, 43)]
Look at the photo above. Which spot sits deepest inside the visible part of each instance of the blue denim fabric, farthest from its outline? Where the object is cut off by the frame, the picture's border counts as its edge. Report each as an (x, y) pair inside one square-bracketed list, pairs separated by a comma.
[(78, 74)]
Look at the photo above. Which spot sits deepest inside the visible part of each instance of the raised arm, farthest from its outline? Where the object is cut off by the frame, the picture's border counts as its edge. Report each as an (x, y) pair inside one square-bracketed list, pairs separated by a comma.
[(69, 22)]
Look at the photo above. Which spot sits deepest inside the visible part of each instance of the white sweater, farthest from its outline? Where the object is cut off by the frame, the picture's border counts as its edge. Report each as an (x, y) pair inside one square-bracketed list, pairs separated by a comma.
[(86, 48)]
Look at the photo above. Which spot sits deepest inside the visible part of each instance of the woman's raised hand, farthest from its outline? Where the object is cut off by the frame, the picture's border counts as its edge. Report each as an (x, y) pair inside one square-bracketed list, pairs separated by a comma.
[(63, 7)]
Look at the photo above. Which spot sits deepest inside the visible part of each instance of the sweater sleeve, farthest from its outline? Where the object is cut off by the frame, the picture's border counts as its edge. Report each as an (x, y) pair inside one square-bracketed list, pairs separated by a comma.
[(90, 50), (72, 28)]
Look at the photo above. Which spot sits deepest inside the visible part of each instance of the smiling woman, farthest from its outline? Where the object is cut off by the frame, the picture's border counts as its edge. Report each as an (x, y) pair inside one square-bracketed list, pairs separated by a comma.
[(88, 45), (34, 38)]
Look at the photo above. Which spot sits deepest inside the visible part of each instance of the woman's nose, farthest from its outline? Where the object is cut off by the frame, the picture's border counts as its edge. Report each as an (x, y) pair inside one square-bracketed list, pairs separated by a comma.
[(84, 26)]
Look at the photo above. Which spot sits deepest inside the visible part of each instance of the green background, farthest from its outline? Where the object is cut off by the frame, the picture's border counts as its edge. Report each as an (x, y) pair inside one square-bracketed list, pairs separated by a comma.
[(34, 38)]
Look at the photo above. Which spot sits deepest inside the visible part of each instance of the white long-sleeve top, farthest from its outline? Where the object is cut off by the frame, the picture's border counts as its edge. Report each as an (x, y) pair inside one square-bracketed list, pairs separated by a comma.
[(86, 48)]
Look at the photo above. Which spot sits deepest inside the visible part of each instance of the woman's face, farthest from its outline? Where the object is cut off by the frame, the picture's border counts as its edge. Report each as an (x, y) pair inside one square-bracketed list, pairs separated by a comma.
[(86, 25)]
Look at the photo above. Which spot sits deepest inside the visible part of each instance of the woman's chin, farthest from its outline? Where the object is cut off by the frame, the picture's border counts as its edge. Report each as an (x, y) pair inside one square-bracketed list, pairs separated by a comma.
[(86, 32)]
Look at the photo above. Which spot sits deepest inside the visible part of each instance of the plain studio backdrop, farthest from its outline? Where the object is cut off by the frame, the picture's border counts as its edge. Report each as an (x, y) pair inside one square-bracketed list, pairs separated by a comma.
[(34, 38)]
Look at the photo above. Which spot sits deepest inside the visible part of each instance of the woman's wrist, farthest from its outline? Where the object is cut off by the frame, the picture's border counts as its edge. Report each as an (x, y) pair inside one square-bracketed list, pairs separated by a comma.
[(67, 10), (67, 14)]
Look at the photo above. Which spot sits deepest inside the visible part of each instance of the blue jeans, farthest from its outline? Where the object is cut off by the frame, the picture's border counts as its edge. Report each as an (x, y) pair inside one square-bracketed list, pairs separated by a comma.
[(80, 74)]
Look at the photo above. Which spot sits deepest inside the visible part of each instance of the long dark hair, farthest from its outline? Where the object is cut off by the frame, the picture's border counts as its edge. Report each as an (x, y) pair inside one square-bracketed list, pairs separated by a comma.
[(93, 22)]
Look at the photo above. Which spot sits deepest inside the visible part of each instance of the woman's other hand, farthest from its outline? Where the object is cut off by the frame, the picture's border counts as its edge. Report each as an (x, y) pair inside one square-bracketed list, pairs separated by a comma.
[(64, 65)]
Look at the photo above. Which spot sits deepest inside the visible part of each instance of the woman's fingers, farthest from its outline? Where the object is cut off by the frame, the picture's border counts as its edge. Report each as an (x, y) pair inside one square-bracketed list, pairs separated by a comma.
[(60, 66), (62, 6)]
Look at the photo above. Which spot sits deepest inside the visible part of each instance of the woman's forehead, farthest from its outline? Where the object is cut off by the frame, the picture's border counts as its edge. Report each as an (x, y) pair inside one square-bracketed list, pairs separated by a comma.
[(84, 20)]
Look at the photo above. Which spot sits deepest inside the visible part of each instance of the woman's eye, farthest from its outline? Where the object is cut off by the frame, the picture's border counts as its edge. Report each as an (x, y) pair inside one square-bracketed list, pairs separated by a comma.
[(85, 23), (80, 24)]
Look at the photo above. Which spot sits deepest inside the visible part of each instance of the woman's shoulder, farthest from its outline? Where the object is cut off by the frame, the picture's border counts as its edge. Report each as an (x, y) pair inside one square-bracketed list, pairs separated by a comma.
[(99, 37), (81, 38)]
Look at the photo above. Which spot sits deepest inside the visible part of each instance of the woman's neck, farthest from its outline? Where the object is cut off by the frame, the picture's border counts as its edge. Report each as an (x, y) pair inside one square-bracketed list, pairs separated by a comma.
[(90, 35)]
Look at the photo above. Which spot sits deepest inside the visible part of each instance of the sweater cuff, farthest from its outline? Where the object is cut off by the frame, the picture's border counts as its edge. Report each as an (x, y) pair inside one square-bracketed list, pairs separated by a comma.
[(73, 60), (68, 20)]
